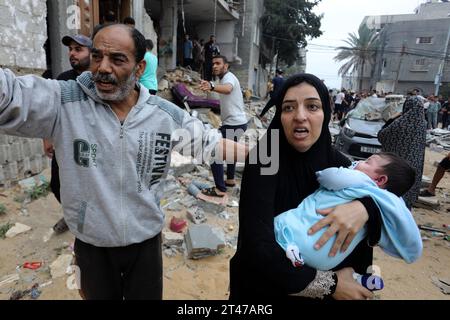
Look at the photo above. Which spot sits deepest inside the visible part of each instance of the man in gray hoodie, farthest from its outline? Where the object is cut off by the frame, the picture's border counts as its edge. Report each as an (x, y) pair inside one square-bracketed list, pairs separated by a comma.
[(113, 142)]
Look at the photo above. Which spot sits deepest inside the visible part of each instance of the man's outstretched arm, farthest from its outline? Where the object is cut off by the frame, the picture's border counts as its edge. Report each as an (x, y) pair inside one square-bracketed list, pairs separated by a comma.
[(28, 105)]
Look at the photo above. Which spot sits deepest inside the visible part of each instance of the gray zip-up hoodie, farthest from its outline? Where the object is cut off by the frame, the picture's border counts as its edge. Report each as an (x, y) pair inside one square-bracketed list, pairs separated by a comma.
[(110, 172)]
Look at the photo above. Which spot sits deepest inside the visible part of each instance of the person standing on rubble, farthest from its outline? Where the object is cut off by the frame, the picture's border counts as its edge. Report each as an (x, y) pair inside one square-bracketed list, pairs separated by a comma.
[(234, 120), (113, 141), (149, 78), (211, 50)]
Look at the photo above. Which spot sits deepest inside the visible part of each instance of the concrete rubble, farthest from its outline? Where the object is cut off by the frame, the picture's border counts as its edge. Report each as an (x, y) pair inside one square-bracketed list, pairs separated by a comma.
[(61, 265), (17, 229), (203, 241)]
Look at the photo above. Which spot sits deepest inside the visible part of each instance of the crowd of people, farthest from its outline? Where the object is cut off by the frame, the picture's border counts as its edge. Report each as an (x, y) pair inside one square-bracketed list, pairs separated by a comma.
[(110, 137)]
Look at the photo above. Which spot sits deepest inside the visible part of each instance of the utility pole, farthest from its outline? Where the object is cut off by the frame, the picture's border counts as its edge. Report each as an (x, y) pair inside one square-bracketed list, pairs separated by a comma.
[(399, 66), (437, 80)]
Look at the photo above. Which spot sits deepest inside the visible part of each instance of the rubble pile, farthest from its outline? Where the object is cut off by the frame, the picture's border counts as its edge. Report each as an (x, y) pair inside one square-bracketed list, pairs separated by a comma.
[(189, 77)]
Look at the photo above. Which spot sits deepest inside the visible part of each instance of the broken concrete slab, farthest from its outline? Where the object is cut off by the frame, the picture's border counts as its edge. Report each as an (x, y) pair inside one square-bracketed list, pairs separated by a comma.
[(210, 207), (442, 284), (17, 229), (196, 215), (426, 181), (427, 203), (59, 267), (188, 201), (172, 239), (9, 279), (203, 241)]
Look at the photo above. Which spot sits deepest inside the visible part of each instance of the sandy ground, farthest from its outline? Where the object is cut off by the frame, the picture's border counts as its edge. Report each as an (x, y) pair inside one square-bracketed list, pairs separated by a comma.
[(207, 278)]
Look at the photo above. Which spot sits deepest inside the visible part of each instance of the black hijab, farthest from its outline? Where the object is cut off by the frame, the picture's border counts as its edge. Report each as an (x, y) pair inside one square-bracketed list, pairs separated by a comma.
[(260, 267), (296, 177)]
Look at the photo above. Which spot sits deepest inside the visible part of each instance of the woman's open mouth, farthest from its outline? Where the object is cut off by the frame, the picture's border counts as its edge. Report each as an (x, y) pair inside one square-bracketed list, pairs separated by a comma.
[(300, 133)]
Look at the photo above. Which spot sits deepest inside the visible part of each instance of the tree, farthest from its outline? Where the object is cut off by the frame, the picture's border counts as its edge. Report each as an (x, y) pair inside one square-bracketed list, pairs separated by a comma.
[(286, 24), (361, 50)]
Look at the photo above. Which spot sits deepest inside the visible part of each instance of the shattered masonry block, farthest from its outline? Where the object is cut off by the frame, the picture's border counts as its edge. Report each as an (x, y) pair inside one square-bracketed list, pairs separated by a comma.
[(196, 215), (203, 241), (172, 239), (210, 207)]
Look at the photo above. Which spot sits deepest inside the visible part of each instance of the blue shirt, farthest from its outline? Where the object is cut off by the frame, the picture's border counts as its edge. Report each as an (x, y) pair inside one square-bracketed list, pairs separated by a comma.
[(148, 79), (188, 46)]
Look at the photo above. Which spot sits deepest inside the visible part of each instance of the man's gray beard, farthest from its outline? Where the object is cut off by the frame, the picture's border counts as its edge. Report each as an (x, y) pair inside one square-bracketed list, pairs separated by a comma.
[(121, 93)]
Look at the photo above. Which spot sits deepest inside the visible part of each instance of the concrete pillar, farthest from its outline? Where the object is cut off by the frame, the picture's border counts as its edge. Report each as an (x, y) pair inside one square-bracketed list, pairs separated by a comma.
[(58, 28), (138, 13), (169, 23)]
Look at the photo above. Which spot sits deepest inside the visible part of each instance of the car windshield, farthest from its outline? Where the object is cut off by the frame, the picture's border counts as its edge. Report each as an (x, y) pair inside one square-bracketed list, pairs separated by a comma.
[(377, 109)]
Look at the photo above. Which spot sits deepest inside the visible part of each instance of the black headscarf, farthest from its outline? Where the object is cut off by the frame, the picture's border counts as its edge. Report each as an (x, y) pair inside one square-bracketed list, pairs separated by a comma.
[(296, 176), (260, 263)]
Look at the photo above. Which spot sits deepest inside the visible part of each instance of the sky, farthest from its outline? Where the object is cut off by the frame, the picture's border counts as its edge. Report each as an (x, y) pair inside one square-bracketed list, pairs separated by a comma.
[(342, 17)]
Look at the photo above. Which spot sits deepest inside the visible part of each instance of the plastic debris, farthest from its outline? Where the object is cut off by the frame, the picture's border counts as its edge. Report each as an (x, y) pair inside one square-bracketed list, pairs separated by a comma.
[(177, 224), (32, 265)]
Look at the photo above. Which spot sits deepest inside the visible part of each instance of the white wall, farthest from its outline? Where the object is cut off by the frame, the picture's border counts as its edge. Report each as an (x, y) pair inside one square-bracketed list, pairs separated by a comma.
[(23, 32)]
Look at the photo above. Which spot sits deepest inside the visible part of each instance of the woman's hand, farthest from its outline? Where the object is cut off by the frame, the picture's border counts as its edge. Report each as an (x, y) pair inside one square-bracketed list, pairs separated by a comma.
[(348, 289), (345, 220)]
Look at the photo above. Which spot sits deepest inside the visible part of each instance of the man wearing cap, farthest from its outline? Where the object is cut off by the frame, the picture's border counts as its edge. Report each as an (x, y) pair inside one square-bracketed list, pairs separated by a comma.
[(80, 58), (79, 55)]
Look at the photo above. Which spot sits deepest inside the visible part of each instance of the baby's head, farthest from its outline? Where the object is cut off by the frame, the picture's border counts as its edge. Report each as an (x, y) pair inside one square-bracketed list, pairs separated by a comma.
[(389, 172)]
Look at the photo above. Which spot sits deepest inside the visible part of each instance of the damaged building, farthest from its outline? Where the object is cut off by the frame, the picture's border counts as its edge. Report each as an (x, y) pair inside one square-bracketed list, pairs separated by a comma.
[(31, 43)]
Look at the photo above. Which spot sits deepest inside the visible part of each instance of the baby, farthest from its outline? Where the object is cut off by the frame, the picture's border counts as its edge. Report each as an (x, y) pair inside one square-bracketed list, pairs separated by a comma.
[(384, 177)]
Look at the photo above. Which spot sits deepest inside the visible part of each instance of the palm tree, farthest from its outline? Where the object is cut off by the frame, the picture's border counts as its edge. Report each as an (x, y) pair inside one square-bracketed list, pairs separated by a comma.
[(362, 49)]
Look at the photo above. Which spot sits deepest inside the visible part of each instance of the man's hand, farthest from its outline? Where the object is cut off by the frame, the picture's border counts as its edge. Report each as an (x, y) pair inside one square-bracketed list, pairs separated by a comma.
[(345, 220), (205, 85), (48, 148), (348, 289)]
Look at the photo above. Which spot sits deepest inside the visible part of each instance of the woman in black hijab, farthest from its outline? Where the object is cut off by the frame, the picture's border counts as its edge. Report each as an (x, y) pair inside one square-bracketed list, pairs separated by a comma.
[(260, 268), (406, 136)]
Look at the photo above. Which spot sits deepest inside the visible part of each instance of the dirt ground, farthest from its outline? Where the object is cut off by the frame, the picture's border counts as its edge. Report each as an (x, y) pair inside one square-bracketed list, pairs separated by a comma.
[(207, 278)]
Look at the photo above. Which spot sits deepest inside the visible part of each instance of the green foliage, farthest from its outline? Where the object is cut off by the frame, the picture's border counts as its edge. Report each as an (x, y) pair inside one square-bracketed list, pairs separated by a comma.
[(361, 50), (2, 209), (286, 24), (39, 191), (34, 193), (4, 229)]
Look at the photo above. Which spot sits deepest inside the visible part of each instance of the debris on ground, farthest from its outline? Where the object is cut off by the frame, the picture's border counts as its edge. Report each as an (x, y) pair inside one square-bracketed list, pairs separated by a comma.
[(17, 229), (60, 266), (443, 284), (203, 241)]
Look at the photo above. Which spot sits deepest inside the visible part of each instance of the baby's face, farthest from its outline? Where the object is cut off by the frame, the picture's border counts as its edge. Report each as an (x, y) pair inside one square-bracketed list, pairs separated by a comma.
[(372, 166)]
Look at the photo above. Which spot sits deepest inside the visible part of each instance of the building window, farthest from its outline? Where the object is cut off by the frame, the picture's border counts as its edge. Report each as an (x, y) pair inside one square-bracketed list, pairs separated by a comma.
[(420, 62), (384, 63), (427, 40)]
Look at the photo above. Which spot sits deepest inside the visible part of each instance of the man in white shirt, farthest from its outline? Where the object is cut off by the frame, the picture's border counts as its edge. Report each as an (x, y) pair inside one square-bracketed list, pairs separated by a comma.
[(234, 120), (338, 107)]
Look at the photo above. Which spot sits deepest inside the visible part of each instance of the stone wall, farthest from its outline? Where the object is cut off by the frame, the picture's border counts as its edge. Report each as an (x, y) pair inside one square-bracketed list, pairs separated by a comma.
[(23, 33), (20, 158)]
